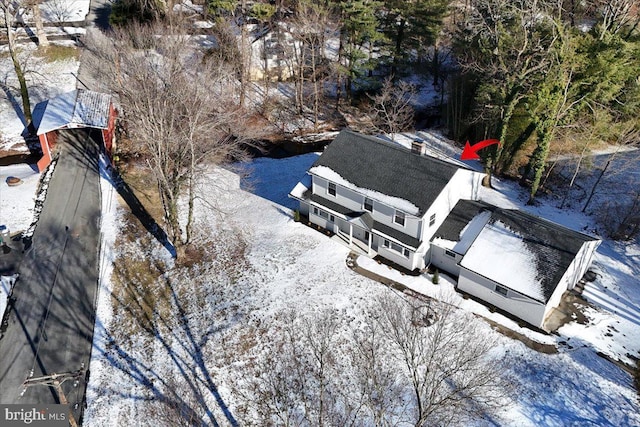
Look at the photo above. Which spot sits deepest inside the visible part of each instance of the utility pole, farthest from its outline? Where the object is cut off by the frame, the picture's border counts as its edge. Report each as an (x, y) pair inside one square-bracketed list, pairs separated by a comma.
[(55, 381)]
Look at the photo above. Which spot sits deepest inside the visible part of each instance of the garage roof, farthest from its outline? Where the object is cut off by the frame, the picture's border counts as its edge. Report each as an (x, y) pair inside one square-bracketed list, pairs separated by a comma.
[(78, 108)]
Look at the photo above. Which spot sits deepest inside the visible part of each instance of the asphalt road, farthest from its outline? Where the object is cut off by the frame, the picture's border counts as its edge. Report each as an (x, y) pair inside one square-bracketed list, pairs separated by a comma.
[(50, 327)]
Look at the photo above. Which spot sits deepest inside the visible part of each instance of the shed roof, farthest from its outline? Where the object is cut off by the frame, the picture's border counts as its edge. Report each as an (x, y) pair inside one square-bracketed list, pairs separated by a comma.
[(516, 249), (78, 108), (370, 163)]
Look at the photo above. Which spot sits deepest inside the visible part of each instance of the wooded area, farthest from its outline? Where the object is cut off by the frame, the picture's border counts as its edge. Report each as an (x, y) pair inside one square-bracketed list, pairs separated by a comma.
[(535, 75)]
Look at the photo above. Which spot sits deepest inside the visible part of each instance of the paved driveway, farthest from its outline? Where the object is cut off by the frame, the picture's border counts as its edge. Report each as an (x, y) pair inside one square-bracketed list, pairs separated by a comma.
[(50, 327)]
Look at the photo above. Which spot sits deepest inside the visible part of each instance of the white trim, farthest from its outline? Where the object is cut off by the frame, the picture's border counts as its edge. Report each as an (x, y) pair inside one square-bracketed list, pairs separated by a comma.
[(385, 236), (335, 189), (364, 204), (319, 206)]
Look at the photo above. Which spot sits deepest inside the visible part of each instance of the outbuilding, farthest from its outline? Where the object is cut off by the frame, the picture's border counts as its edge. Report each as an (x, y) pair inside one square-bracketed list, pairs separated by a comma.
[(79, 108)]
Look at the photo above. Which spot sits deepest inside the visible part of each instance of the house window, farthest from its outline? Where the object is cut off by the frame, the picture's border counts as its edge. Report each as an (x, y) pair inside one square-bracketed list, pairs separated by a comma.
[(432, 220), (396, 248), (399, 218), (368, 204), (449, 253), (501, 290), (332, 189), (324, 214)]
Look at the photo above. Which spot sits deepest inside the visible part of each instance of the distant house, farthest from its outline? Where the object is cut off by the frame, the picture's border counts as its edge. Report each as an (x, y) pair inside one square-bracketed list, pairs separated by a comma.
[(76, 109), (511, 259), (382, 197), (415, 210)]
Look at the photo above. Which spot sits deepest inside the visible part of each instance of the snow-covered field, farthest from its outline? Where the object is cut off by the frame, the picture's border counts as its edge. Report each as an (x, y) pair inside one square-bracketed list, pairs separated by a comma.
[(291, 265), (226, 316)]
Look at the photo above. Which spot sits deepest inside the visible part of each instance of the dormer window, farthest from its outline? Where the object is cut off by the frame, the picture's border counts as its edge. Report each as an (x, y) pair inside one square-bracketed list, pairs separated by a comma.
[(368, 204), (398, 218), (331, 189)]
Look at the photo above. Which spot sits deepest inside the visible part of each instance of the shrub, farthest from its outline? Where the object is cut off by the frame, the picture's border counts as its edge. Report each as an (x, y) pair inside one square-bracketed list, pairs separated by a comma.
[(436, 277)]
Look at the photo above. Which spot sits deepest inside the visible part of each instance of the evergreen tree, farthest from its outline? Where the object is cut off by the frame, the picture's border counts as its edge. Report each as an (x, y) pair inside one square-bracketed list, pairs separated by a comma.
[(358, 33)]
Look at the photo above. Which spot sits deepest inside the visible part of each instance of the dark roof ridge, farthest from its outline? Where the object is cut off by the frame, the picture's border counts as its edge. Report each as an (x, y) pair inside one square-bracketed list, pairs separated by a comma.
[(404, 150), (547, 222)]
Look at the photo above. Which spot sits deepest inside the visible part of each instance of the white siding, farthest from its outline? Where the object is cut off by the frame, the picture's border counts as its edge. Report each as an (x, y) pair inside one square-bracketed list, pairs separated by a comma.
[(444, 262), (410, 263), (531, 311), (304, 208), (573, 274), (463, 185), (355, 201)]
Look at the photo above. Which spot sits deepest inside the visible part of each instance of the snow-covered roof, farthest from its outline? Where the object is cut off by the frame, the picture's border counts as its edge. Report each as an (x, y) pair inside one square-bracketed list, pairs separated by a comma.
[(78, 108), (300, 190), (384, 171), (395, 202), (516, 249), (501, 255)]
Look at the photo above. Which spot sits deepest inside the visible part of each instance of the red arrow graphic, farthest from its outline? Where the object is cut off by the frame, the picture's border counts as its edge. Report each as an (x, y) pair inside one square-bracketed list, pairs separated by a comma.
[(471, 152)]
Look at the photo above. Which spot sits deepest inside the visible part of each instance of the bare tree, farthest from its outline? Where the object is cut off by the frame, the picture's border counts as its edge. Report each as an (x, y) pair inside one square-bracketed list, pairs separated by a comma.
[(615, 14), (444, 356), (34, 7), (392, 109), (380, 385), (311, 26), (179, 106), (505, 44), (9, 10)]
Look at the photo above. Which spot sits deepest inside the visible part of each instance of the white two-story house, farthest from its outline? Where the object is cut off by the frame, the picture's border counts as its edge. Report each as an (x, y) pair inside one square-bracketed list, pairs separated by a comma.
[(416, 210), (381, 197)]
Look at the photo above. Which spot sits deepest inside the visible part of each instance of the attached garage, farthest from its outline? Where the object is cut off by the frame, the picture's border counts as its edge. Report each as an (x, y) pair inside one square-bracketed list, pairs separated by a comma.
[(510, 259)]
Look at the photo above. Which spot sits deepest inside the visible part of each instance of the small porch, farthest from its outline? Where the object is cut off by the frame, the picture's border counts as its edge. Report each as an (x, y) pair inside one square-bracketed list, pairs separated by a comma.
[(358, 246)]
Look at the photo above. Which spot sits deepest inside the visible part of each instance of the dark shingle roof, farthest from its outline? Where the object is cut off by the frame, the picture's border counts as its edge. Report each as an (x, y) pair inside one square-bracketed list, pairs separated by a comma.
[(461, 214), (371, 163), (554, 246)]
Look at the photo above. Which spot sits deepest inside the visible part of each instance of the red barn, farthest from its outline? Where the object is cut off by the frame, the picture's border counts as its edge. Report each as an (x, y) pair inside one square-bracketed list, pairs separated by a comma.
[(75, 109)]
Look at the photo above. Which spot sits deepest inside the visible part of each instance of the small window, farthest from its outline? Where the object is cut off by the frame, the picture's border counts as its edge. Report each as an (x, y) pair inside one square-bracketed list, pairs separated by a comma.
[(432, 220), (332, 218), (449, 253), (406, 252), (332, 189), (368, 204), (501, 290), (385, 243), (399, 218), (315, 211)]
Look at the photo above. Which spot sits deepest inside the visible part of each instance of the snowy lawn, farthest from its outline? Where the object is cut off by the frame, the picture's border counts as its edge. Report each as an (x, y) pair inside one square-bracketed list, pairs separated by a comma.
[(44, 79), (290, 266)]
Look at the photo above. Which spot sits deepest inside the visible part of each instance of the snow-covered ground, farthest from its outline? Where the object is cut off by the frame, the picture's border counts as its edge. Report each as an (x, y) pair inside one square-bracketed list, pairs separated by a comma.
[(45, 80), (291, 265)]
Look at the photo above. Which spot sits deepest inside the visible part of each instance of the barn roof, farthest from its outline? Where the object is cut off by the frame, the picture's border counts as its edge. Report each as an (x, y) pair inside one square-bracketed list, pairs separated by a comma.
[(78, 108), (514, 248), (385, 169)]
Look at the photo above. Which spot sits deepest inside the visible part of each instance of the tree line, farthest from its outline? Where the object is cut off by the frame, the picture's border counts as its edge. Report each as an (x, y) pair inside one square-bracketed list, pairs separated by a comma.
[(529, 73), (536, 75)]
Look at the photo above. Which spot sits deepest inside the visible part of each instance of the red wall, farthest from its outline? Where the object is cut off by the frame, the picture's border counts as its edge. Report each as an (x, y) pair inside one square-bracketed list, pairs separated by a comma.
[(47, 143)]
